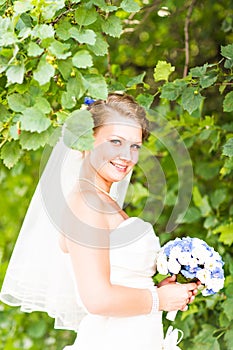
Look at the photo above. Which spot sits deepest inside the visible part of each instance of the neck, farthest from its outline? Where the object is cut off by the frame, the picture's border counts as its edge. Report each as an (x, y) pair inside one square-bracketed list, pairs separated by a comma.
[(99, 188)]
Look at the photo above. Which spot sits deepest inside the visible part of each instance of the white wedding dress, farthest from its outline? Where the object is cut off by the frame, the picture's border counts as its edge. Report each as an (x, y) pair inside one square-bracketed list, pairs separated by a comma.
[(132, 265)]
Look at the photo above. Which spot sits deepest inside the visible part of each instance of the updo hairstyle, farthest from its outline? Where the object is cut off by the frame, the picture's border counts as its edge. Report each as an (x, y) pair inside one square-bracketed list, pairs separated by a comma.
[(125, 106)]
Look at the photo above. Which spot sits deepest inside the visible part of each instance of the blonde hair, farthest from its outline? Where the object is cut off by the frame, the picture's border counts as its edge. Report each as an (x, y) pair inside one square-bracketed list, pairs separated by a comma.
[(125, 106)]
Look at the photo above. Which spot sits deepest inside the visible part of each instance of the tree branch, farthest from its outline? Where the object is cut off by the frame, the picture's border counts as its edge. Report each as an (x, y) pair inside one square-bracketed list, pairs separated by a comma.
[(186, 35)]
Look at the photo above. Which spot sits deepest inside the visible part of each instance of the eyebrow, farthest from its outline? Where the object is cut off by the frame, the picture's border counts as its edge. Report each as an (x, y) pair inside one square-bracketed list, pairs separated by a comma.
[(121, 137)]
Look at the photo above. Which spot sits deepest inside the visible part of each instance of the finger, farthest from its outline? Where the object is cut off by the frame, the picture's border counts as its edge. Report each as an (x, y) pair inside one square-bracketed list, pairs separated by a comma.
[(191, 299), (194, 292), (184, 308), (191, 286), (172, 278)]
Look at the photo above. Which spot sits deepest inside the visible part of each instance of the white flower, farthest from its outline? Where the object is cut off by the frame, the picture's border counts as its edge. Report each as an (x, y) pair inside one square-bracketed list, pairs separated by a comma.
[(184, 258), (162, 264), (175, 252), (173, 266), (211, 263), (200, 253), (203, 275), (216, 256), (215, 284)]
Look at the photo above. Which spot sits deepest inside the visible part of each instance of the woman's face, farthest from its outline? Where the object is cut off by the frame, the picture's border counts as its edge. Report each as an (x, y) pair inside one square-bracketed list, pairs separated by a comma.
[(116, 148)]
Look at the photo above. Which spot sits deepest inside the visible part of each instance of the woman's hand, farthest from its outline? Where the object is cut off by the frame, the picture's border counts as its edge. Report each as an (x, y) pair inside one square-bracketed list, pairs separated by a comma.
[(175, 296)]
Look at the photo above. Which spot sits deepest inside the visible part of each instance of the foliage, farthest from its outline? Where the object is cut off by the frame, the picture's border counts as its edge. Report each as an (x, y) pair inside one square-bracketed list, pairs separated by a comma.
[(52, 54)]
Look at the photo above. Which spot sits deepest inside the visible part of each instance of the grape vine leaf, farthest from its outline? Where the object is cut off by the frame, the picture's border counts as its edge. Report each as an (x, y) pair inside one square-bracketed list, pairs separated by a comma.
[(10, 154), (130, 6), (163, 70), (228, 148), (82, 59), (228, 102)]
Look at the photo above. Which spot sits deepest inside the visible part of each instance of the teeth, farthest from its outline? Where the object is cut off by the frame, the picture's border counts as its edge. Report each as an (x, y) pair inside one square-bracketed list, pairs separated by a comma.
[(119, 166)]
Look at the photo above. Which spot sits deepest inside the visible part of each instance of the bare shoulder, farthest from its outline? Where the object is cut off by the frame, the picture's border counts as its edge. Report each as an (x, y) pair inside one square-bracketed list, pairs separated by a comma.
[(89, 207), (86, 220)]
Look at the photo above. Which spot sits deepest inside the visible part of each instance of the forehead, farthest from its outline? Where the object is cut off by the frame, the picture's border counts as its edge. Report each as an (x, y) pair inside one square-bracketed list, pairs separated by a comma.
[(131, 131)]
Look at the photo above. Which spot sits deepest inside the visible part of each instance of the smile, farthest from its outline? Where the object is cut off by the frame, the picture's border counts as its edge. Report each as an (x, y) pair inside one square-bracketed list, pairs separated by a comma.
[(120, 167)]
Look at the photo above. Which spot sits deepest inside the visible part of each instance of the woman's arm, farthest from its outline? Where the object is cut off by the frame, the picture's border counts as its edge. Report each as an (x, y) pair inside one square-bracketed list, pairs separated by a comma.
[(91, 266)]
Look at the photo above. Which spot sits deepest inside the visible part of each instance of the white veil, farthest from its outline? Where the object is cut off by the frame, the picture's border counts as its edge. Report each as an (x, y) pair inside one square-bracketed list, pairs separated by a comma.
[(39, 276)]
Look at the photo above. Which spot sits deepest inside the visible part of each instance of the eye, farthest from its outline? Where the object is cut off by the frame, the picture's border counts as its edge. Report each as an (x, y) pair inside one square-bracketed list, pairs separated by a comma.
[(116, 142), (136, 147)]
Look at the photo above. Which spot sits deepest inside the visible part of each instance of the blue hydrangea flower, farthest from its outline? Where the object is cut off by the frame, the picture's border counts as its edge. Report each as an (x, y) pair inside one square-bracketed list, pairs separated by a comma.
[(192, 258)]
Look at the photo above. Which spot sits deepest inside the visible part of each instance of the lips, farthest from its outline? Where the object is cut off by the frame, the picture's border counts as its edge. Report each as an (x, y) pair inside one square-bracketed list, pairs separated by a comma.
[(120, 167)]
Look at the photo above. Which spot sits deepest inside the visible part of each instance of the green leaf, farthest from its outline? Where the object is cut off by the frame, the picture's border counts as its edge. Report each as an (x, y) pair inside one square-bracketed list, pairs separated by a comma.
[(85, 16), (226, 233), (191, 99), (34, 50), (112, 26), (82, 59), (4, 113), (199, 72), (201, 202), (206, 170), (68, 100), (22, 6), (100, 48), (139, 193), (227, 51), (59, 50), (33, 141), (33, 119), (15, 74), (228, 102), (43, 31), (7, 34), (228, 148), (172, 90), (18, 102), (43, 105), (51, 7), (228, 336), (37, 329), (210, 221), (228, 64), (136, 80), (84, 36), (163, 70), (145, 100), (65, 67), (97, 86), (218, 197), (193, 214), (208, 79), (63, 28), (76, 86), (204, 340), (44, 71), (130, 6), (10, 153), (104, 6), (79, 130)]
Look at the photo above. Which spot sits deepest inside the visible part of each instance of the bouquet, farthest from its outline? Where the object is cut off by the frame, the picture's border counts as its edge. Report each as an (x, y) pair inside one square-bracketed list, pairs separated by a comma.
[(191, 259)]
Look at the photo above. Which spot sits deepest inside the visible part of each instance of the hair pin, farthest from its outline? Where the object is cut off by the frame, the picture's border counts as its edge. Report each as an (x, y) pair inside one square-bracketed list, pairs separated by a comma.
[(88, 100)]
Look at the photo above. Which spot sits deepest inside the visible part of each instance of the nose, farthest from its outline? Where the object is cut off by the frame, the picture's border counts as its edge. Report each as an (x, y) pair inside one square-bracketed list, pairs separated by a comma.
[(125, 153)]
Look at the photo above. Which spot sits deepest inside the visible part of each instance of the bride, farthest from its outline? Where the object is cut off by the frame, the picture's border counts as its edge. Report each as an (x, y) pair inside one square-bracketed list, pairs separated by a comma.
[(80, 258)]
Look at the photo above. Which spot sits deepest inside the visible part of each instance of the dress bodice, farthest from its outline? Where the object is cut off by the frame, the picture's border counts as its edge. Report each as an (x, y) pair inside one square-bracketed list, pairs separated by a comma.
[(133, 253)]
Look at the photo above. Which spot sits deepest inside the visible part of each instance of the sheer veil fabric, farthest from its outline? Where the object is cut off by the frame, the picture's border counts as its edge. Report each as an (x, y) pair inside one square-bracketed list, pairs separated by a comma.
[(39, 277)]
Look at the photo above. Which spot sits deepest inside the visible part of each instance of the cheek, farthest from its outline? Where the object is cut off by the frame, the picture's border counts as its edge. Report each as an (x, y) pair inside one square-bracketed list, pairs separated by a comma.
[(134, 157), (101, 154)]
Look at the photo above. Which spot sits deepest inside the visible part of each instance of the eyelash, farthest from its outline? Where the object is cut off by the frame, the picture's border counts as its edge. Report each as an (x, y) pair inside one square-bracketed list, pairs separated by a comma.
[(118, 143)]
